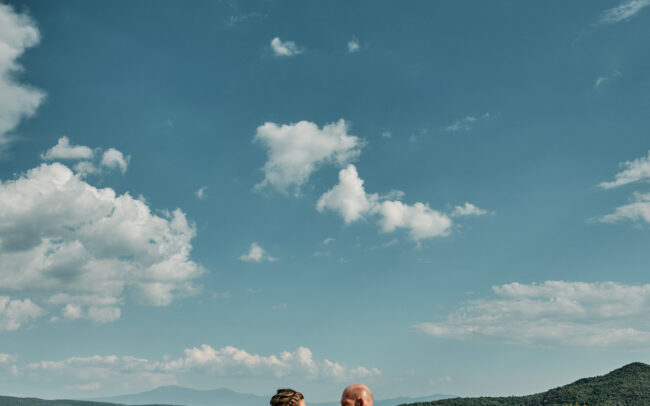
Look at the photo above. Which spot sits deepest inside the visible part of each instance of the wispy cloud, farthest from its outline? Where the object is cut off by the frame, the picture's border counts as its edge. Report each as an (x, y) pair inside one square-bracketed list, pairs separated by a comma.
[(638, 209), (285, 48), (201, 192), (623, 11), (636, 170), (552, 313), (257, 254), (466, 123), (601, 80), (238, 19)]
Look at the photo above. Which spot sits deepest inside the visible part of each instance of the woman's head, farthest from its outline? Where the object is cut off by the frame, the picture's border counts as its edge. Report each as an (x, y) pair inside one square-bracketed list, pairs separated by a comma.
[(288, 397)]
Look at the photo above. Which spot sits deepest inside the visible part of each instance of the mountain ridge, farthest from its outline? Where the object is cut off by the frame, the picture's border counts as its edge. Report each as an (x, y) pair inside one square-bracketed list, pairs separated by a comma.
[(625, 386), (179, 395)]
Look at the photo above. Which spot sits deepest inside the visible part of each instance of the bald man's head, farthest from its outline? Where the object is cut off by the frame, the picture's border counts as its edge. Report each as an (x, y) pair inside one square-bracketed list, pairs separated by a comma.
[(356, 395)]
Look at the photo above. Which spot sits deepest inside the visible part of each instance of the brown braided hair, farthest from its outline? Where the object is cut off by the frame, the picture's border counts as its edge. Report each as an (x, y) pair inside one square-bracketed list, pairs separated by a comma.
[(286, 397)]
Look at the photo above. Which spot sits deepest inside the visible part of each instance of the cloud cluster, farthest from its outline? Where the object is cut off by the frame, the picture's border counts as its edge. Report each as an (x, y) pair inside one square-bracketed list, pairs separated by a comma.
[(17, 33), (297, 150), (284, 48), (351, 201), (110, 159), (257, 254), (94, 371), (553, 313), (69, 246), (623, 11)]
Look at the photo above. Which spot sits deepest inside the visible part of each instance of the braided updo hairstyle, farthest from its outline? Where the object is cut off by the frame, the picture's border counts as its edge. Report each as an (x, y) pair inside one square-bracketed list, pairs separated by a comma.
[(286, 397)]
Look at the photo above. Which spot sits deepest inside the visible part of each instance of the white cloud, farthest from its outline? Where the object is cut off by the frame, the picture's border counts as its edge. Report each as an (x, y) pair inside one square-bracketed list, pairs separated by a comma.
[(64, 150), (386, 134), (328, 240), (257, 254), (201, 192), (623, 11), (110, 159), (348, 197), (599, 81), (466, 123), (14, 313), (114, 159), (113, 370), (553, 313), (71, 311), (636, 170), (7, 358), (65, 242), (17, 101), (468, 209), (638, 209), (353, 46), (297, 150), (351, 201), (419, 219), (284, 48)]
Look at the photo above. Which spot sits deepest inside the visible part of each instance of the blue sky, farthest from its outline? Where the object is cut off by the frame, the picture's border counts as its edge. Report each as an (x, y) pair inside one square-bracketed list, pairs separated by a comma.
[(432, 197)]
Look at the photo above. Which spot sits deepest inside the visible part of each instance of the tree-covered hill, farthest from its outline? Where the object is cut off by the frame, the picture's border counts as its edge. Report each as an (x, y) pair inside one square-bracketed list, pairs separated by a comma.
[(626, 386)]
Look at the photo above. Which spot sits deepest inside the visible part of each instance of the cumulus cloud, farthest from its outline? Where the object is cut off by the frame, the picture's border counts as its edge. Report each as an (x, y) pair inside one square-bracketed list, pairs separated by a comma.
[(552, 313), (14, 313), (623, 11), (419, 219), (64, 150), (297, 150), (284, 48), (468, 209), (257, 254), (467, 123), (114, 159), (204, 359), (348, 197), (66, 244), (634, 171), (351, 201), (17, 101), (353, 46)]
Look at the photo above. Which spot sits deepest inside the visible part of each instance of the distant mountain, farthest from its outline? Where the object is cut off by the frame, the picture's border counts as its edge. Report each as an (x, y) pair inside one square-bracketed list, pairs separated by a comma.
[(12, 401), (626, 386), (177, 395)]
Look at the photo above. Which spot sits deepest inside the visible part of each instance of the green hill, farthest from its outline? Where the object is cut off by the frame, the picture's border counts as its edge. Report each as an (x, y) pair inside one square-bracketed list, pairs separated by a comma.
[(626, 386)]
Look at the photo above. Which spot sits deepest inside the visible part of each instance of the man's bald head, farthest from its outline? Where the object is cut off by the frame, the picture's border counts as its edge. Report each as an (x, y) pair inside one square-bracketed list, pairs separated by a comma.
[(356, 395)]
